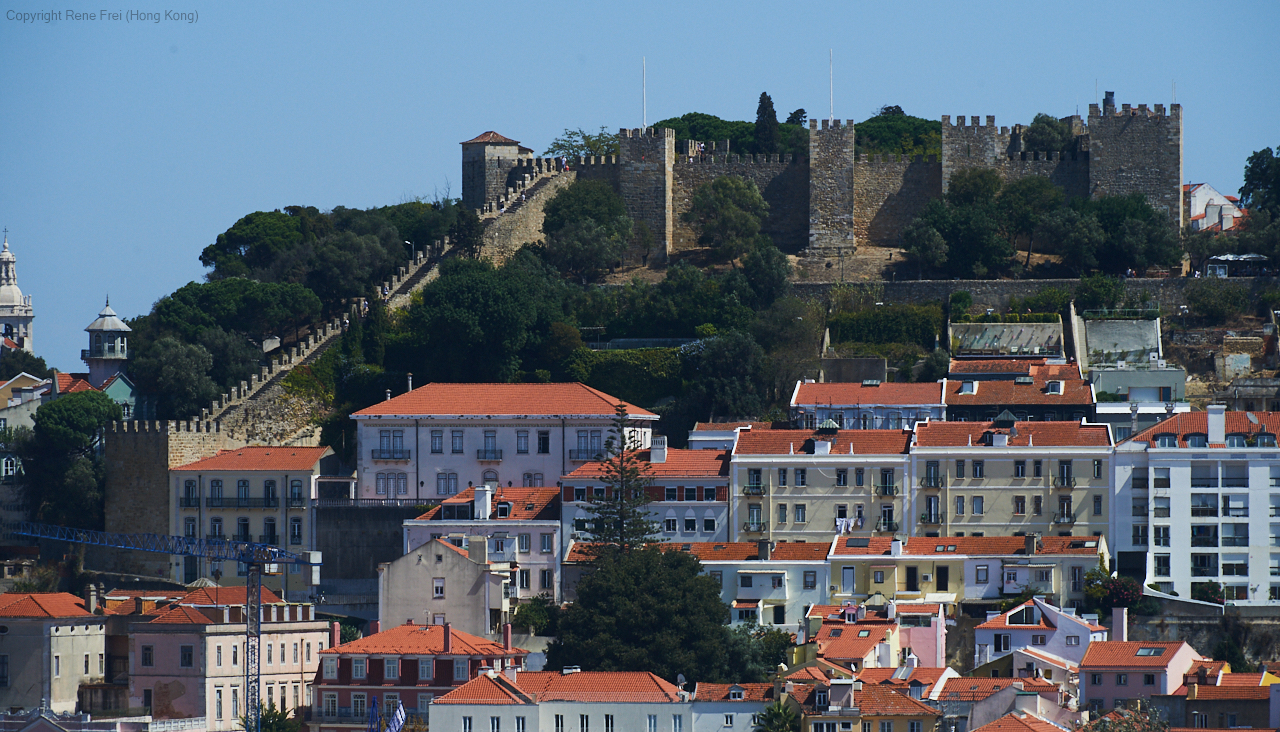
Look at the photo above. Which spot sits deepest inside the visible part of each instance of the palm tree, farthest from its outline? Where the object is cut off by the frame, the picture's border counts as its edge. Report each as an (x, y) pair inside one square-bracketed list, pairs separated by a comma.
[(778, 717)]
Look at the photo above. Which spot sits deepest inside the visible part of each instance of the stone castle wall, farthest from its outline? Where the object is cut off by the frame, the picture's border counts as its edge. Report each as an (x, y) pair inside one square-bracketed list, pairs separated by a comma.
[(645, 180), (891, 190), (831, 184), (781, 179), (1137, 150), (505, 233)]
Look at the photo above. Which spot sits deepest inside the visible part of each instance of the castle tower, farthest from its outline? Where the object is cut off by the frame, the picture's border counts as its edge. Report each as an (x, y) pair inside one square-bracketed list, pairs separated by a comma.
[(487, 162), (647, 163), (108, 350), (1137, 150), (831, 190), (16, 313)]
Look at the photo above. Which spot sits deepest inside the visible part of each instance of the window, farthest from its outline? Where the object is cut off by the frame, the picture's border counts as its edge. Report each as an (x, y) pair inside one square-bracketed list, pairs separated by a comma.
[(1019, 505), (1097, 505), (1139, 534), (886, 726), (524, 542), (608, 723), (842, 477), (217, 703), (977, 505), (669, 525), (913, 726), (728, 718), (391, 669), (1197, 441), (522, 442), (1148, 679), (437, 588), (980, 574), (810, 580), (1037, 505), (466, 724), (782, 513), (446, 484), (1038, 640), (584, 723), (652, 725), (859, 478), (455, 444), (800, 513), (148, 656), (677, 723), (358, 668), (359, 705), (1122, 679), (877, 576), (524, 579), (1097, 468), (1073, 640), (495, 724), (1162, 565), (979, 469), (1095, 679), (460, 672), (744, 580), (709, 525), (802, 477), (546, 579), (959, 505), (544, 442), (1019, 468), (959, 468)]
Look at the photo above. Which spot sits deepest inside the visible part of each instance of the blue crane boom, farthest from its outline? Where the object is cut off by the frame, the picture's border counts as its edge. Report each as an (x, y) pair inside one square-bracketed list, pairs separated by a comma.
[(254, 556)]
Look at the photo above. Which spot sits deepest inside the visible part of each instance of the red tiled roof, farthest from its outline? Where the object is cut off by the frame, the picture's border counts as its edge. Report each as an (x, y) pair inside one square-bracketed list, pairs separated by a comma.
[(679, 464), (220, 596), (844, 641), (181, 614), (41, 605), (978, 688), (1124, 654), (485, 690), (491, 137), (454, 547), (1050, 659), (1002, 620), (1192, 423), (994, 365), (276, 459), (1075, 391), (72, 383), (840, 394), (720, 692), (922, 674), (785, 442), (423, 639), (528, 504), (1211, 669), (730, 426), (967, 545), (1233, 679), (1019, 722), (1242, 693), (535, 400), (726, 551), (917, 608), (878, 700), (581, 686), (810, 673), (1030, 434)]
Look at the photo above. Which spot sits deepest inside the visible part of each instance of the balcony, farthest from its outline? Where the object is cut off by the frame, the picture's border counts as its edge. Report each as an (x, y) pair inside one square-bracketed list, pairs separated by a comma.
[(489, 455), (886, 489), (885, 525), (936, 517), (1238, 511), (933, 481), (245, 537), (1235, 481), (189, 502), (752, 490), (1198, 482), (753, 527), (1204, 511), (215, 537), (295, 540), (1205, 541), (1065, 517), (1235, 541), (104, 351), (394, 454), (587, 456), (242, 502), (297, 502), (1064, 481), (1204, 571), (273, 539)]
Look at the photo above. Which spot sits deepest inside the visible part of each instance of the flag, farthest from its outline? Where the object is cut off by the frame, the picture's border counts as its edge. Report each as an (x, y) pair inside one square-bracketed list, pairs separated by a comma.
[(396, 723), (375, 719)]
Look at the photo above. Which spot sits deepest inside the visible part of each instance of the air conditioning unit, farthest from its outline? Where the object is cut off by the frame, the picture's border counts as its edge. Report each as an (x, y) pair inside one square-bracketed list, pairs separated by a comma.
[(1162, 364), (1121, 365), (926, 578), (832, 588)]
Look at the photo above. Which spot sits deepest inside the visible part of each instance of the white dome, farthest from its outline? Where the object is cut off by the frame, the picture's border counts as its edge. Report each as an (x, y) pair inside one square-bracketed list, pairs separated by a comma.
[(107, 320), (9, 293)]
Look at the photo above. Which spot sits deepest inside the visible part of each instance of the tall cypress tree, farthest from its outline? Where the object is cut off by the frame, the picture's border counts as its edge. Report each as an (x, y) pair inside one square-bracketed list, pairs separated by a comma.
[(621, 517), (767, 134)]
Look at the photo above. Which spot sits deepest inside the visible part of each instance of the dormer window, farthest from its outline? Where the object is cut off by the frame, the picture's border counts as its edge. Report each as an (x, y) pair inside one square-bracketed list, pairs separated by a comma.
[(822, 697), (1055, 387), (968, 387), (1025, 616), (735, 694), (1235, 441), (357, 668), (1166, 440), (504, 510), (1197, 441), (864, 633), (1266, 440)]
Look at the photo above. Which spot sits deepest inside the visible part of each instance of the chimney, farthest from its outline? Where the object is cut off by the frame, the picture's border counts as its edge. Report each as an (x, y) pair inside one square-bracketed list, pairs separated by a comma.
[(506, 638), (91, 599), (658, 450), (891, 610), (1031, 543), (1217, 423), (448, 637), (388, 395), (895, 548), (335, 634), (510, 672), (483, 501), (1202, 675), (762, 550), (1027, 702), (1120, 623), (410, 377), (375, 627), (478, 549)]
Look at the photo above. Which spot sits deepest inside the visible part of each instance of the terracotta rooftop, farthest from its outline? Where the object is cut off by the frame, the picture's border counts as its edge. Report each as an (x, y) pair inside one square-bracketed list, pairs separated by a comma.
[(1242, 693), (785, 442), (978, 688), (486, 400), (42, 605), (878, 700), (730, 426), (423, 639), (581, 686), (226, 596), (1002, 620), (181, 615), (679, 464), (528, 504), (966, 545), (72, 383), (850, 641), (1008, 392), (841, 394), (1212, 671), (995, 365), (1125, 654), (1019, 722), (1029, 434), (890, 676), (725, 551), (275, 459), (491, 137), (1192, 423), (721, 692)]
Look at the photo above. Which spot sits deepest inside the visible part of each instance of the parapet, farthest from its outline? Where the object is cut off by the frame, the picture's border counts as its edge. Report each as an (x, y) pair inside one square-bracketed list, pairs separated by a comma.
[(834, 124), (865, 159), (159, 427), (735, 159), (665, 132), (1142, 110), (991, 122)]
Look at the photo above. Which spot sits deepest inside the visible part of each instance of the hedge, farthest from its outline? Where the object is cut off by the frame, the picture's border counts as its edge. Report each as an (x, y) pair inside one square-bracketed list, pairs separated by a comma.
[(918, 324), (641, 376)]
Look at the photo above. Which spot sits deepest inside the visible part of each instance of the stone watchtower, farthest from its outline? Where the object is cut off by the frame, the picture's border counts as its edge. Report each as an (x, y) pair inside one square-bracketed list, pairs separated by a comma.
[(108, 350), (1136, 149), (487, 162), (16, 313), (831, 189)]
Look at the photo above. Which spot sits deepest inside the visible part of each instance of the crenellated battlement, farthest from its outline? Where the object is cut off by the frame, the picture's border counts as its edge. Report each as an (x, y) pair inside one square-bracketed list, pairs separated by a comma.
[(865, 159), (1125, 110), (636, 132), (160, 427), (583, 161), (834, 124), (974, 122), (735, 159)]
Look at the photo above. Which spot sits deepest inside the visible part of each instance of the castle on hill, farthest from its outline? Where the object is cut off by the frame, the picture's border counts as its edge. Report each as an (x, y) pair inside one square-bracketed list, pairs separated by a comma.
[(833, 198)]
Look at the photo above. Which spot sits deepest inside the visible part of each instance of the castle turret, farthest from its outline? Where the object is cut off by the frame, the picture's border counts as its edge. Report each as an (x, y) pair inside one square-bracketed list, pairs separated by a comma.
[(16, 313), (487, 162), (108, 350)]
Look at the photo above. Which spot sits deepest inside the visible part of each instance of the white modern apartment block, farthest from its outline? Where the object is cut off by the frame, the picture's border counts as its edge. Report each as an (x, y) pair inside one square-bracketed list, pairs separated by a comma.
[(867, 405), (764, 582), (1197, 499), (1045, 641), (436, 440)]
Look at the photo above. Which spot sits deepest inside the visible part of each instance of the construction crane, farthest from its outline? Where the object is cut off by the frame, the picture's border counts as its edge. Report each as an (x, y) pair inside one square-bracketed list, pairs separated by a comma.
[(257, 558)]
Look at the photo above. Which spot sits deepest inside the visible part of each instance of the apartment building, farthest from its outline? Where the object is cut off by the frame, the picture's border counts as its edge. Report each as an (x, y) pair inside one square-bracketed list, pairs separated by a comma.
[(730, 707), (1035, 640), (1207, 484), (974, 570), (802, 485), (256, 494), (440, 582), (689, 493), (411, 665), (1033, 389), (770, 583), (1117, 672), (829, 705), (51, 647), (1007, 477), (866, 405), (1212, 696), (439, 439)]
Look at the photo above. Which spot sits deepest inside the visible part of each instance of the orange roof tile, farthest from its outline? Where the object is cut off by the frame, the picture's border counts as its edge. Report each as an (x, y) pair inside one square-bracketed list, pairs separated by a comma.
[(581, 686), (810, 673), (978, 688), (41, 605), (423, 639), (1242, 693), (485, 689), (784, 442), (476, 400), (1191, 423), (1007, 392), (730, 426), (847, 642), (1124, 654), (721, 692), (1029, 434), (923, 674), (725, 551), (1002, 620), (994, 365), (280, 459), (181, 614), (491, 137), (527, 504), (840, 394), (679, 464), (72, 383), (877, 700), (966, 545), (1212, 670), (1018, 722), (1051, 659), (219, 596)]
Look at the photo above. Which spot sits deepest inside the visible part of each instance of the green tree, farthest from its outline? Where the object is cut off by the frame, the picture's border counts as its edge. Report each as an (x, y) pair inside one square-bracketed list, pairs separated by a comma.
[(232, 357), (63, 475), (766, 270), (925, 246), (623, 619), (177, 374), (778, 717), (273, 719), (1024, 204), (14, 361), (727, 212), (766, 132), (620, 518), (1207, 592), (797, 117), (584, 200), (1216, 299), (1098, 291), (579, 142), (467, 234), (253, 241), (1261, 189), (936, 366), (1075, 236), (585, 249), (1128, 720), (1047, 134), (724, 377), (960, 302), (892, 132), (1201, 245), (374, 337), (540, 615), (1228, 650), (974, 186)]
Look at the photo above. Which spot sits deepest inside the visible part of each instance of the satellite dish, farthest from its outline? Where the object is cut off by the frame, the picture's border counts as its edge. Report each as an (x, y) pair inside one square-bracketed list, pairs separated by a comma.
[(1252, 418), (680, 679)]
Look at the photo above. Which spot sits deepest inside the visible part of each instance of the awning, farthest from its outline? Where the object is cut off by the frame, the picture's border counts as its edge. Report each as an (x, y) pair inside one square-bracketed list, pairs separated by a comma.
[(746, 604), (940, 597)]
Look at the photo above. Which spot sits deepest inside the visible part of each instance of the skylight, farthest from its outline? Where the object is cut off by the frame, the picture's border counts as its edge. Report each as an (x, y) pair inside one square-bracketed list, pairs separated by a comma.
[(863, 633), (1150, 651)]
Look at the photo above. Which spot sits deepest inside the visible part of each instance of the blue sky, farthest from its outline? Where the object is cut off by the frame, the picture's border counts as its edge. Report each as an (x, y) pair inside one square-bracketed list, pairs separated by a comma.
[(129, 146)]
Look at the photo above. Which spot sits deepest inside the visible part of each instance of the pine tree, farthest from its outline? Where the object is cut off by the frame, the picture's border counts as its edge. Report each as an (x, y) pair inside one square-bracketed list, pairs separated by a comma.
[(620, 518), (767, 134)]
